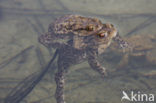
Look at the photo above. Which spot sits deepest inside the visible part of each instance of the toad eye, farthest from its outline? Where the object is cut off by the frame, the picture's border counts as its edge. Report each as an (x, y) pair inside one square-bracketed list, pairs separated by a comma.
[(90, 28), (103, 34), (86, 28)]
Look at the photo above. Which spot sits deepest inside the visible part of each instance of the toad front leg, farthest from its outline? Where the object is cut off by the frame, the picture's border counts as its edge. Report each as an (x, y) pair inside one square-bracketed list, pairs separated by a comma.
[(95, 65)]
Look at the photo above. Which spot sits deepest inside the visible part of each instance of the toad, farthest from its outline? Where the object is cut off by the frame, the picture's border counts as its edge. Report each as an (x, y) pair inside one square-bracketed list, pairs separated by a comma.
[(78, 38)]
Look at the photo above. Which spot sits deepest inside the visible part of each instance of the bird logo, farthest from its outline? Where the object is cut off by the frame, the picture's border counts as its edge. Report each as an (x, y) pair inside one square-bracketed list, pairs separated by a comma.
[(125, 96)]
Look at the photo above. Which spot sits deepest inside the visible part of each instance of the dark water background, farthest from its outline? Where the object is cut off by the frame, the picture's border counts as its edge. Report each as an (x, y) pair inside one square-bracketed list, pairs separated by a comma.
[(22, 21)]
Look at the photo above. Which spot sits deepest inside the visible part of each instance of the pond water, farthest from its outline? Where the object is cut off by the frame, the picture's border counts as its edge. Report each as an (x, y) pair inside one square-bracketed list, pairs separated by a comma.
[(22, 57)]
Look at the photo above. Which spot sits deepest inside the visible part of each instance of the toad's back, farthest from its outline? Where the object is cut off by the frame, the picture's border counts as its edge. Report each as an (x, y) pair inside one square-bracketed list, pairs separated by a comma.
[(76, 24)]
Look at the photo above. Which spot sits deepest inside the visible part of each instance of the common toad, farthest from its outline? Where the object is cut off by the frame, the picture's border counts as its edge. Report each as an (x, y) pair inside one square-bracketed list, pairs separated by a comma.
[(78, 38)]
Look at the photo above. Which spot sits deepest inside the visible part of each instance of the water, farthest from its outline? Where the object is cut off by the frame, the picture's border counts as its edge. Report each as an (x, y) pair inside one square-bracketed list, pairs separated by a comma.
[(22, 21)]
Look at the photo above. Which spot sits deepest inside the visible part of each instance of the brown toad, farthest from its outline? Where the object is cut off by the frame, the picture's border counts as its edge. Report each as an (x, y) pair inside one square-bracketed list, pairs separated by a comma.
[(143, 49), (78, 38)]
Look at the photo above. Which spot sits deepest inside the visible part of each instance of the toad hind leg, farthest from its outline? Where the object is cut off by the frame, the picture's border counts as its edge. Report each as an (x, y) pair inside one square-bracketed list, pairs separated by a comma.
[(60, 80), (95, 65)]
